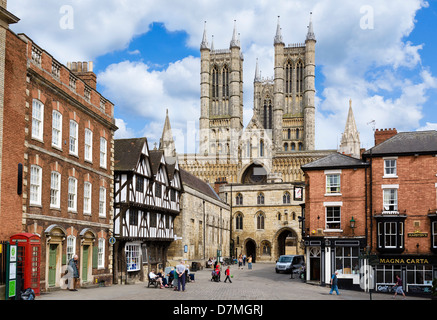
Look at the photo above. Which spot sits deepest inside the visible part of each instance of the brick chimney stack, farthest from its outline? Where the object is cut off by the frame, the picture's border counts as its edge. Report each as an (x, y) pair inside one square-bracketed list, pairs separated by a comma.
[(383, 134), (84, 71)]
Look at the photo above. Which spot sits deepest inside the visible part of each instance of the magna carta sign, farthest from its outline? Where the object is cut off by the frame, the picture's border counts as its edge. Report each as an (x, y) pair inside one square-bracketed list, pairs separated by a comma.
[(407, 260)]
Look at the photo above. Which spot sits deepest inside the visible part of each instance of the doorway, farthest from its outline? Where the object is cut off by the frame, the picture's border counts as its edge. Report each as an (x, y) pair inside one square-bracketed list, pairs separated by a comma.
[(251, 249), (287, 243), (53, 248), (314, 264), (85, 263)]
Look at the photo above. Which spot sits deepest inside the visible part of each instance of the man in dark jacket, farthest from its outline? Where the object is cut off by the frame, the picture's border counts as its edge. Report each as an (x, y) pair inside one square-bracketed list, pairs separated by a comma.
[(72, 267)]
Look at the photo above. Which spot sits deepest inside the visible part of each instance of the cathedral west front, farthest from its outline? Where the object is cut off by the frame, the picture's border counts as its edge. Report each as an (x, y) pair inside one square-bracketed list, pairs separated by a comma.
[(256, 169)]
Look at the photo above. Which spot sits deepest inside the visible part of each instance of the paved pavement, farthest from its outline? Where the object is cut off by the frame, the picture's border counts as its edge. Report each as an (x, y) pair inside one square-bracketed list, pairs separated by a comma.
[(261, 283)]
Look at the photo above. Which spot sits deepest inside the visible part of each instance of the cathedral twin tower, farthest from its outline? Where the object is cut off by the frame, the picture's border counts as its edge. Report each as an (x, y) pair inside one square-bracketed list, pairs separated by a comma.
[(283, 107)]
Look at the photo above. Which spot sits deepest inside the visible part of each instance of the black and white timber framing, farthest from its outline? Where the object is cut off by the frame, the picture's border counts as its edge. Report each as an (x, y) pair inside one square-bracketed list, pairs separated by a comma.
[(147, 193)]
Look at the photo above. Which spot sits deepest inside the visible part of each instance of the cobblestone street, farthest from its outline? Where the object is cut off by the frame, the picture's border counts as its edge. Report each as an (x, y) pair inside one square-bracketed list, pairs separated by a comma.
[(261, 283)]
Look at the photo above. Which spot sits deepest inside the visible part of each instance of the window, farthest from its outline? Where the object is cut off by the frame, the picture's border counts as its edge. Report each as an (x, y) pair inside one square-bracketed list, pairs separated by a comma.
[(386, 274), (288, 78), (73, 137), (158, 190), (37, 120), (390, 234), (102, 152), (102, 202), (332, 183), (55, 189), (132, 257), (225, 82), (434, 234), (215, 84), (419, 275), (101, 254), (35, 185), (72, 194), (239, 222), (139, 184), (239, 199), (173, 195), (333, 218), (260, 199), (88, 145), (390, 201), (133, 217), (87, 187), (286, 198), (56, 129), (299, 78), (71, 247), (260, 221), (346, 260), (389, 167)]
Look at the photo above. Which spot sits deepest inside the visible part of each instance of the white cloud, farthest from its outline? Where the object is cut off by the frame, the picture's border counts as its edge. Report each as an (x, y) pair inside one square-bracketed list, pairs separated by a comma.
[(365, 64)]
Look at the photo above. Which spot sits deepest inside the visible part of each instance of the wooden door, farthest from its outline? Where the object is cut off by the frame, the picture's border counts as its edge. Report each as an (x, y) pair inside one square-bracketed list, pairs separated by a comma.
[(52, 264), (84, 275)]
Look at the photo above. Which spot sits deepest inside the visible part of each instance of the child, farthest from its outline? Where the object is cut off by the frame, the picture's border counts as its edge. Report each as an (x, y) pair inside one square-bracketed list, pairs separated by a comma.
[(228, 274)]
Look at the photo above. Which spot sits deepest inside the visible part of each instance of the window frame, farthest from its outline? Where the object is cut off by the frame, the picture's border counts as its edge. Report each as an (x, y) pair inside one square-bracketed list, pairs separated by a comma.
[(57, 119), (35, 192), (335, 220), (333, 187), (103, 153), (102, 202), (37, 131), (88, 145), (101, 253), (73, 140), (89, 209), (390, 167), (57, 190), (74, 200)]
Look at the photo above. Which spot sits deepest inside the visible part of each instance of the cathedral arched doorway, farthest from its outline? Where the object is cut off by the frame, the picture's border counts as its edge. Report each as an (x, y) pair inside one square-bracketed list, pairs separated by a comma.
[(251, 249), (254, 174), (286, 242)]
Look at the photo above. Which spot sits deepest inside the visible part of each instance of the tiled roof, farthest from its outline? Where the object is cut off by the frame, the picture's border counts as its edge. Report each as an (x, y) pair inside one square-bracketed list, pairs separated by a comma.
[(198, 184), (335, 160), (127, 152), (407, 143)]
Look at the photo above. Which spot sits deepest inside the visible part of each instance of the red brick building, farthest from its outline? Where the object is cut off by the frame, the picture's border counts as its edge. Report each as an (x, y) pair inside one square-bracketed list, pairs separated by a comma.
[(60, 129), (390, 198)]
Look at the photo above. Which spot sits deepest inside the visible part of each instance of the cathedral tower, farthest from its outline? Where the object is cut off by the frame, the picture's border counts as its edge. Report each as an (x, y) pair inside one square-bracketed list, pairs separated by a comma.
[(350, 140), (221, 100)]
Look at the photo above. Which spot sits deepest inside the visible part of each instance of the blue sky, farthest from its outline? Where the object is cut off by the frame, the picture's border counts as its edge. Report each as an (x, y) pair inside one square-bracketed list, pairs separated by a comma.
[(380, 54)]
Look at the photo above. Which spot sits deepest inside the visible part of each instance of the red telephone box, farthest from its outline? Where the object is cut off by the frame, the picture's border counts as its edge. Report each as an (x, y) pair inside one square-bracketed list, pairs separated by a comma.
[(28, 260)]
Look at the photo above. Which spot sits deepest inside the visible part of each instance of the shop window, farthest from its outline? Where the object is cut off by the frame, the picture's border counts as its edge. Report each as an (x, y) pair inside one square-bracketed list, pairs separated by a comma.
[(132, 257), (346, 260)]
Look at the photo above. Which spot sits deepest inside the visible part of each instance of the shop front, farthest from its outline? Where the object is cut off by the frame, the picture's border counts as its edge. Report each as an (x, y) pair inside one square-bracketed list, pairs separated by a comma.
[(416, 272)]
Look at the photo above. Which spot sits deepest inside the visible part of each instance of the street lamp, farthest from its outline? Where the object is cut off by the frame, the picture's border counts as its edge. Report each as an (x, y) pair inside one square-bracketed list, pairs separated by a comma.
[(352, 224)]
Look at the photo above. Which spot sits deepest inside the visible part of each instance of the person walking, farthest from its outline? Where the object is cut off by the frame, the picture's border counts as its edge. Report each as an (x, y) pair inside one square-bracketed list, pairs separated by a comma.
[(334, 282), (240, 262), (228, 274), (180, 270), (399, 288), (244, 260), (72, 265), (249, 263)]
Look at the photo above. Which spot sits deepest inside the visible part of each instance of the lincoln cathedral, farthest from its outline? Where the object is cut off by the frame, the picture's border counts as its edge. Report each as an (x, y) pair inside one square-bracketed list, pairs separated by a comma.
[(256, 169)]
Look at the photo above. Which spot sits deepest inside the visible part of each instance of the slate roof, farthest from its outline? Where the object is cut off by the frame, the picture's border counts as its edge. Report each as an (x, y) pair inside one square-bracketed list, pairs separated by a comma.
[(198, 184), (155, 159), (334, 161), (414, 142), (127, 152)]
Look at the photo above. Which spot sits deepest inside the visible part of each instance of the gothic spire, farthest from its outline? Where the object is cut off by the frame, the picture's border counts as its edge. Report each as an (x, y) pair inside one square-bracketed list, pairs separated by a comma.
[(166, 142), (278, 36), (257, 74), (204, 44), (212, 43), (310, 34), (350, 140), (235, 42)]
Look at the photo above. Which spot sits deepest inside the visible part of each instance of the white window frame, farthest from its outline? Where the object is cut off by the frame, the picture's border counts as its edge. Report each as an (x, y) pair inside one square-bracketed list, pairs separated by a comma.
[(133, 254), (337, 220), (37, 120), (88, 152), (74, 133), (71, 247), (87, 196), (55, 190), (390, 167), (391, 201), (103, 152), (337, 185), (102, 202), (57, 129), (101, 254), (72, 194), (35, 185)]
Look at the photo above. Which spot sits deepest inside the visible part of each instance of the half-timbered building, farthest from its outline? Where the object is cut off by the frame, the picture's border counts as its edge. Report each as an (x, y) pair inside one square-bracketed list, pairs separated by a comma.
[(146, 201)]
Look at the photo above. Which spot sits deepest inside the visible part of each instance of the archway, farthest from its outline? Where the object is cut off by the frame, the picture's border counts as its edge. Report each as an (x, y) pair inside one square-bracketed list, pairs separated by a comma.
[(254, 174), (251, 249), (286, 242)]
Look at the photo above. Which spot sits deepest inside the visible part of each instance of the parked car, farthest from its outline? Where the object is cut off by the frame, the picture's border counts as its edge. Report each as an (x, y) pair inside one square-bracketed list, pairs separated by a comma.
[(289, 263)]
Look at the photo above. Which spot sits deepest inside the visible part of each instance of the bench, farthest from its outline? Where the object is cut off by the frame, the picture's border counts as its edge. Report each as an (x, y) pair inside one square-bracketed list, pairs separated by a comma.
[(152, 282)]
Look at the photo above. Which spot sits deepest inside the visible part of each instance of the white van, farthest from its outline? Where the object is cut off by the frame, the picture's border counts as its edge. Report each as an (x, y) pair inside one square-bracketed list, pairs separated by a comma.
[(289, 263)]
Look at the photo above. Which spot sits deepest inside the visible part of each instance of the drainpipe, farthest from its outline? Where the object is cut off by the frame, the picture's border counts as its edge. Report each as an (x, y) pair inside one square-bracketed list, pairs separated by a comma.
[(204, 225)]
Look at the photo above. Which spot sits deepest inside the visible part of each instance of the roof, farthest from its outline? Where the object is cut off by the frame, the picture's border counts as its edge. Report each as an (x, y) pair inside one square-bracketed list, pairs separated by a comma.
[(127, 153), (335, 160), (198, 184), (407, 143)]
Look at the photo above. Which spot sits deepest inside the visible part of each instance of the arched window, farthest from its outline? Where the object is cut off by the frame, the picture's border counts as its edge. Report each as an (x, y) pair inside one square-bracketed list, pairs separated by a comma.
[(239, 199), (260, 199), (285, 146), (260, 221), (279, 216), (289, 134), (239, 221), (288, 77), (225, 83), (266, 249), (261, 148), (293, 147), (268, 114), (215, 82), (286, 198), (299, 78), (297, 133), (300, 146)]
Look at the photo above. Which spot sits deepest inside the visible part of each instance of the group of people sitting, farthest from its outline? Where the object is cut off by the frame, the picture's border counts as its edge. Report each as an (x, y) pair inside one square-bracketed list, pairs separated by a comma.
[(167, 280)]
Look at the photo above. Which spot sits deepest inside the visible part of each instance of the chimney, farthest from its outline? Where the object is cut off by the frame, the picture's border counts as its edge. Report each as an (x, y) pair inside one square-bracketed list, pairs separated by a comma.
[(84, 71), (384, 134), (218, 183)]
